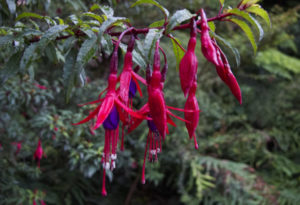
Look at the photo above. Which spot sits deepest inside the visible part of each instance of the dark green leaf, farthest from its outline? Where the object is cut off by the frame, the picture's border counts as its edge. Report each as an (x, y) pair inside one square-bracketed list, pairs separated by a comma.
[(11, 6), (109, 23), (149, 43), (28, 55), (8, 39), (70, 72), (51, 34), (177, 18), (11, 67), (244, 26), (106, 44), (108, 11), (155, 3)]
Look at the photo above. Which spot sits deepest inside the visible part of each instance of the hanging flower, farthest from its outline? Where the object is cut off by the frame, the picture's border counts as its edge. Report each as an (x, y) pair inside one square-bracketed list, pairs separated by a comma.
[(38, 154), (189, 63)]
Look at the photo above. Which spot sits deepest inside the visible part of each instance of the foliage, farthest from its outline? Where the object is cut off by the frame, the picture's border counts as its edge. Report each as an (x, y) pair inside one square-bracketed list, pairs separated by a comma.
[(247, 154)]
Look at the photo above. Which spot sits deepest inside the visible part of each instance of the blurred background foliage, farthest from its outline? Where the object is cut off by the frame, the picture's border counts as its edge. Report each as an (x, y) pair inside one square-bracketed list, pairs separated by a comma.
[(247, 154)]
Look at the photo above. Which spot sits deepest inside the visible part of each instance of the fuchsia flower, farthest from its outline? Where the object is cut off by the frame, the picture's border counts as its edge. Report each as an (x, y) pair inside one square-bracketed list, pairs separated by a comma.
[(189, 63), (227, 76), (38, 154), (40, 86), (192, 117), (42, 202), (18, 145), (207, 46)]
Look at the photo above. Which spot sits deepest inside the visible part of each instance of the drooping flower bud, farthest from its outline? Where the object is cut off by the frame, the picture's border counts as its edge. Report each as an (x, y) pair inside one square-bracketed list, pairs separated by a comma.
[(207, 46), (189, 63), (192, 118), (38, 154)]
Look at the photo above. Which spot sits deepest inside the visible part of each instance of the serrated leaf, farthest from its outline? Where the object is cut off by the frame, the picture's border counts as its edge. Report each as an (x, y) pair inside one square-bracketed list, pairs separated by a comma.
[(11, 6), (106, 44), (157, 23), (256, 9), (29, 32), (211, 26), (69, 72), (29, 15), (86, 52), (110, 22), (10, 68), (233, 50), (155, 3), (94, 16), (136, 56), (27, 55), (177, 18), (149, 43), (244, 26), (51, 34), (250, 19), (108, 11), (178, 52)]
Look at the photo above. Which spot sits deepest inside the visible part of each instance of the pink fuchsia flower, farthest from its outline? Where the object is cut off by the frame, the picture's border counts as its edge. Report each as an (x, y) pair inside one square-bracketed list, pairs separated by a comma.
[(189, 63), (192, 117), (42, 202), (38, 154), (34, 202), (40, 86), (207, 46)]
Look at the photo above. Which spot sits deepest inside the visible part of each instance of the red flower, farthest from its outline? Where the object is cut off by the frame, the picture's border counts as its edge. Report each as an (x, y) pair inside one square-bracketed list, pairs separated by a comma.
[(38, 154), (192, 117), (189, 63), (207, 46), (40, 86)]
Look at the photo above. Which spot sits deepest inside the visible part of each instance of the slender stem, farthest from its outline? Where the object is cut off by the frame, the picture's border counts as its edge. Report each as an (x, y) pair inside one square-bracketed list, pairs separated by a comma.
[(170, 36)]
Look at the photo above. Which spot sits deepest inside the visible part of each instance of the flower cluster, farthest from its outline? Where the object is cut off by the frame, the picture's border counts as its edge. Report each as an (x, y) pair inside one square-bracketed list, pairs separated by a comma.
[(116, 107)]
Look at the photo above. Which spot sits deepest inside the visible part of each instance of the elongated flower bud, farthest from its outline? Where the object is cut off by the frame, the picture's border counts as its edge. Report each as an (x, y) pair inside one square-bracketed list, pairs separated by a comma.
[(38, 154), (207, 46), (192, 118), (189, 63)]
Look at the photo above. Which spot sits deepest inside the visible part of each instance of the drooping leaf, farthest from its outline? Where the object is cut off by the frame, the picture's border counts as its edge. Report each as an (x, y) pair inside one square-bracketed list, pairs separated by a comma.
[(108, 11), (233, 50), (177, 18), (212, 26), (106, 44), (69, 72), (51, 34), (94, 7), (155, 3), (28, 55), (250, 19), (4, 40), (94, 16), (86, 52), (29, 15), (256, 9), (178, 52), (149, 43), (11, 6), (244, 26), (110, 22), (157, 23), (10, 68)]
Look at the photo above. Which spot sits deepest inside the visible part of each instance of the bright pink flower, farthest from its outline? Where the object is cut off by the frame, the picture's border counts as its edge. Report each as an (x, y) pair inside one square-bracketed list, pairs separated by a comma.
[(40, 86), (42, 202), (38, 154), (189, 63), (207, 46), (34, 202), (192, 117)]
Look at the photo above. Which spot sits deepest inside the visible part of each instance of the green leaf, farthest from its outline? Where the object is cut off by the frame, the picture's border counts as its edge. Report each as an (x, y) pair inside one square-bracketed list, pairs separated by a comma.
[(106, 44), (256, 9), (95, 7), (86, 52), (149, 43), (155, 3), (233, 50), (157, 23), (178, 52), (244, 26), (28, 15), (211, 26), (69, 72), (94, 16), (177, 18), (11, 6), (51, 34), (222, 2), (28, 55), (136, 56), (108, 11), (8, 39), (249, 2), (250, 19), (109, 23), (10, 68)]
